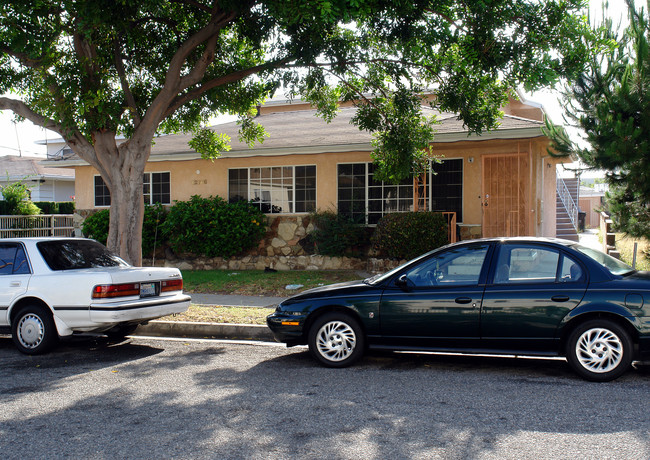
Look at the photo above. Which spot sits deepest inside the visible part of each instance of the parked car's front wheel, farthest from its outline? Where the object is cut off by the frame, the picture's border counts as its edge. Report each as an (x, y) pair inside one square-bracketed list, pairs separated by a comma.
[(33, 330), (336, 340), (599, 350)]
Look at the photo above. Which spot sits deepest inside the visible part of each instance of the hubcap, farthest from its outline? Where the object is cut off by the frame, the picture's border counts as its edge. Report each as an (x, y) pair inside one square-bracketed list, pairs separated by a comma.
[(599, 350), (336, 341), (31, 331)]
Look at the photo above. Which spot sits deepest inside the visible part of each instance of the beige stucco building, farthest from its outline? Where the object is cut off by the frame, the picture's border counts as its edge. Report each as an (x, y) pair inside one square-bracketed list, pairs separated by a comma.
[(501, 183)]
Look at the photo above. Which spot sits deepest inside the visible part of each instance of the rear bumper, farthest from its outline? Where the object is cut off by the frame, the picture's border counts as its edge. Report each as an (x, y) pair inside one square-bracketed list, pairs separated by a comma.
[(113, 313)]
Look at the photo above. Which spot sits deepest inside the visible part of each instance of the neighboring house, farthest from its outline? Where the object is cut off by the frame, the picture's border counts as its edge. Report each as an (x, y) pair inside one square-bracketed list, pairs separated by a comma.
[(45, 183), (502, 183), (591, 202)]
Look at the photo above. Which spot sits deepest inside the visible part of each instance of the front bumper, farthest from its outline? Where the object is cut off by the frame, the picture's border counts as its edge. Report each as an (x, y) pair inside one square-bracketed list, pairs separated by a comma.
[(287, 328)]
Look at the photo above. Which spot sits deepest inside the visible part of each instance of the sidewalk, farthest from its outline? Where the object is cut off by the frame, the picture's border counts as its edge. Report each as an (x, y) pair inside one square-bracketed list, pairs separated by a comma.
[(590, 238)]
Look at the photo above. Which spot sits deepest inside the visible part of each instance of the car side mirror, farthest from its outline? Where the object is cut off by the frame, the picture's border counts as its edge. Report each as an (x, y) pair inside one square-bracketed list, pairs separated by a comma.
[(403, 283)]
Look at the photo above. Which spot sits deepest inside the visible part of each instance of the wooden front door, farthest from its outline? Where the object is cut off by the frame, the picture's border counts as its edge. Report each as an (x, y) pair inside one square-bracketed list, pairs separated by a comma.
[(506, 195)]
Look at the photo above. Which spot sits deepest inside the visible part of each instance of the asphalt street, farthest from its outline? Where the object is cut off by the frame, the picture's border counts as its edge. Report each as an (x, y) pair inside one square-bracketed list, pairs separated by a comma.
[(163, 398)]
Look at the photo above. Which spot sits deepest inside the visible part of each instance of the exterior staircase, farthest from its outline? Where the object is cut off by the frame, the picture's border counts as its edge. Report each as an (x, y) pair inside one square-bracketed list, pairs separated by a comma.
[(564, 227)]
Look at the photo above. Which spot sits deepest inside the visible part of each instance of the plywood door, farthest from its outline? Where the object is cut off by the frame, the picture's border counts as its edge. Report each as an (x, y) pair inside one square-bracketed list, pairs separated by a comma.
[(506, 195)]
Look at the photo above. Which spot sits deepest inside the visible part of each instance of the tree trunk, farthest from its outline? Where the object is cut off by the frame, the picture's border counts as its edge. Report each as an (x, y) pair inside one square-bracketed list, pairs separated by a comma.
[(123, 170), (127, 211)]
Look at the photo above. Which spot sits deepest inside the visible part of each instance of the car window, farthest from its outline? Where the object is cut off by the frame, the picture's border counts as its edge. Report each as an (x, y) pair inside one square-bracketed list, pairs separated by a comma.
[(535, 265), (570, 271), (613, 265), (13, 260), (458, 266), (75, 254)]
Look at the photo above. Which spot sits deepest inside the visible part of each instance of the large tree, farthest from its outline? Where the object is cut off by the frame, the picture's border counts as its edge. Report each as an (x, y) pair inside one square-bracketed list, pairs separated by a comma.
[(609, 104), (92, 70)]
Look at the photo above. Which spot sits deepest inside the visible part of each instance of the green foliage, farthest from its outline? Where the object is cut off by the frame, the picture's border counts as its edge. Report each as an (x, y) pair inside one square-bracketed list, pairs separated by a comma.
[(409, 234), (27, 208), (609, 103), (209, 143), (93, 70), (213, 227), (47, 207), (55, 207), (16, 196), (335, 234), (95, 226), (66, 207)]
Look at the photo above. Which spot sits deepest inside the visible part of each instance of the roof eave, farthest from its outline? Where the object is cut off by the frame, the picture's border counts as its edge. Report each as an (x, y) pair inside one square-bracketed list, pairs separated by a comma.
[(499, 134)]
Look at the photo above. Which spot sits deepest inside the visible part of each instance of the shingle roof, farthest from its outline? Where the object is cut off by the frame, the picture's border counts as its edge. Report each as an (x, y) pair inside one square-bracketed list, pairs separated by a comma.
[(301, 131), (303, 128), (18, 167)]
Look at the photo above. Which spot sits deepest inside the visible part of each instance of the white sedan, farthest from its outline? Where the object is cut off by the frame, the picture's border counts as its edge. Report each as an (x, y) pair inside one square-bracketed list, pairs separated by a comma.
[(54, 287)]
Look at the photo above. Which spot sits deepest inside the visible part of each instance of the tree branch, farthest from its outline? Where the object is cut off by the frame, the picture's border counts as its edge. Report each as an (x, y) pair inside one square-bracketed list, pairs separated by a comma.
[(223, 80), (23, 110), (23, 58), (130, 100)]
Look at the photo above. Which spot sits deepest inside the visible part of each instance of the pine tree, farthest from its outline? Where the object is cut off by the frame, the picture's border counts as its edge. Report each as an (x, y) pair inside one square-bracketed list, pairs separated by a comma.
[(610, 103)]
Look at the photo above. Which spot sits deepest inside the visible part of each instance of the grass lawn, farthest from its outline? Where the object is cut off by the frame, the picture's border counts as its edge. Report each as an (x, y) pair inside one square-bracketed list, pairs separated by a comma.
[(216, 314), (625, 244), (249, 282), (259, 282)]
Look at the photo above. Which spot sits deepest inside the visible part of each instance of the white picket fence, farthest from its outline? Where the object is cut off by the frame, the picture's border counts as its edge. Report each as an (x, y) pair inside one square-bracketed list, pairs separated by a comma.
[(42, 225)]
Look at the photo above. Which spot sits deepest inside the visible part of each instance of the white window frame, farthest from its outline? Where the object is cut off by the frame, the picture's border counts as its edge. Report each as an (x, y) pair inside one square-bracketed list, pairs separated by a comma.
[(150, 183), (430, 178), (149, 195), (252, 189)]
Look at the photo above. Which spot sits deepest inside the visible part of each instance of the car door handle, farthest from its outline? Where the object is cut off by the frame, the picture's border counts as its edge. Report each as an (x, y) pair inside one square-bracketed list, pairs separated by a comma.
[(14, 284), (560, 298), (463, 300)]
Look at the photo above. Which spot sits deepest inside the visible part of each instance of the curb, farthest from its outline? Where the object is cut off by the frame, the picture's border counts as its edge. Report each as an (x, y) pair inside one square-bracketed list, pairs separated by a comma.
[(206, 330)]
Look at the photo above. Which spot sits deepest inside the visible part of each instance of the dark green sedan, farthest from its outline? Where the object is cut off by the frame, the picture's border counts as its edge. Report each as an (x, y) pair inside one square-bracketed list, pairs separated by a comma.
[(515, 296)]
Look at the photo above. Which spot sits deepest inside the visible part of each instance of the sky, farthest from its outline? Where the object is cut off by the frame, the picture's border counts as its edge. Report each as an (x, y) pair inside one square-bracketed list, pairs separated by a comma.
[(20, 138)]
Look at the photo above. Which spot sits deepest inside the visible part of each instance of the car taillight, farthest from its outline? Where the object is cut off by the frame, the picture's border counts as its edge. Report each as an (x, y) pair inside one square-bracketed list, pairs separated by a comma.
[(171, 285), (105, 291)]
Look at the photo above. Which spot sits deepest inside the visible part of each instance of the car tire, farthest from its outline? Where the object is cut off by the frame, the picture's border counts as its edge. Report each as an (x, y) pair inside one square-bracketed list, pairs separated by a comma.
[(33, 330), (599, 350), (336, 340), (120, 332)]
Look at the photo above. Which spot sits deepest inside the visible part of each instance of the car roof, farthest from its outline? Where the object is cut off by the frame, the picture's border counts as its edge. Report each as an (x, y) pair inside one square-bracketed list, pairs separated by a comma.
[(41, 238), (521, 239)]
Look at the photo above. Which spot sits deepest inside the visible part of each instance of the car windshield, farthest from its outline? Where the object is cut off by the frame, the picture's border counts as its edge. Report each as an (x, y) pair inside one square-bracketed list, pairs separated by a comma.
[(75, 254), (380, 278), (613, 265)]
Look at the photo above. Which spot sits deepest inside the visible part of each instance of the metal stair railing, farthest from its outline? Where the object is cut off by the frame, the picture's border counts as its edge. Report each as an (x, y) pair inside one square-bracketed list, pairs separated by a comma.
[(568, 201)]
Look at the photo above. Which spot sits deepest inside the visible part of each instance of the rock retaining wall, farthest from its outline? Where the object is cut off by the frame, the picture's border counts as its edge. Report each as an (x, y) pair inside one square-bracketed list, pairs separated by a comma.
[(282, 248)]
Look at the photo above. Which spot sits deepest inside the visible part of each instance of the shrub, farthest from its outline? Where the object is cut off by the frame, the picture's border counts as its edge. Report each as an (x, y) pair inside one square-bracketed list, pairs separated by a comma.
[(66, 207), (55, 207), (407, 235), (17, 202), (47, 207), (96, 226), (335, 234), (213, 227)]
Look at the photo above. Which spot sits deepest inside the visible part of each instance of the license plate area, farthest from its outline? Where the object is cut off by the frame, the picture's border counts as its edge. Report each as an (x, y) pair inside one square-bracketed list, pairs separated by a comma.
[(149, 289)]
